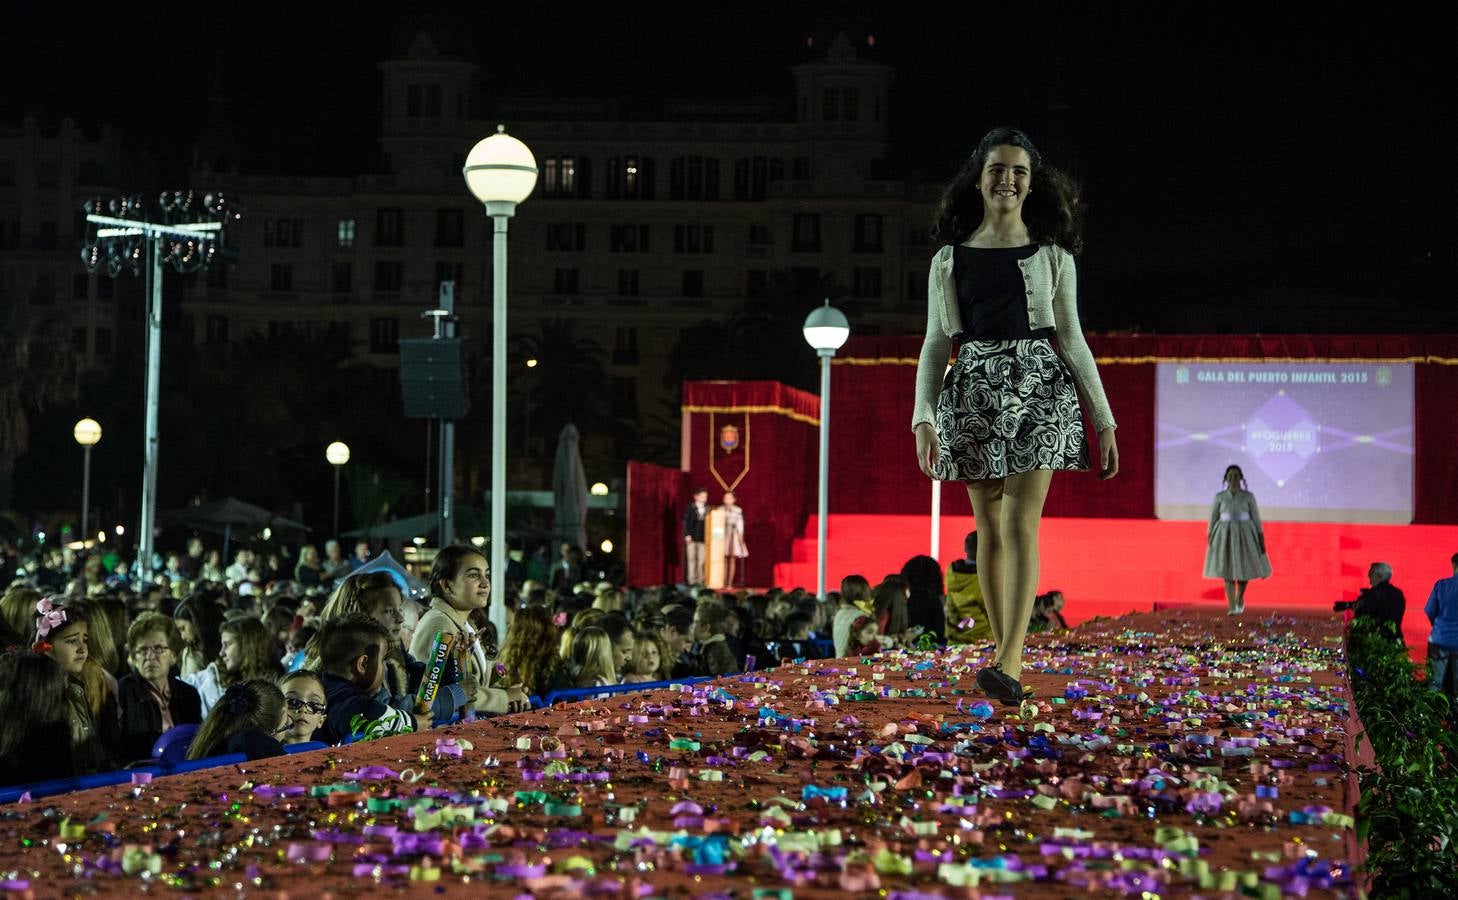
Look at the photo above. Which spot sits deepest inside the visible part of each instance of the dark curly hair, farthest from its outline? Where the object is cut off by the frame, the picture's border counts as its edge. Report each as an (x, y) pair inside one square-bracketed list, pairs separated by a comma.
[(1053, 212)]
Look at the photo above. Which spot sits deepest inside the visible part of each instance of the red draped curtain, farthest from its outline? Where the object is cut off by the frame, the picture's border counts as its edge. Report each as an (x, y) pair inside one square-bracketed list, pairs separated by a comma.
[(653, 529), (873, 465)]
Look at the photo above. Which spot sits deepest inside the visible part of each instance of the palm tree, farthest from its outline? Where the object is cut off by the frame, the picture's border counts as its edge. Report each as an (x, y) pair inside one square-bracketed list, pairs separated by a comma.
[(568, 383), (37, 368)]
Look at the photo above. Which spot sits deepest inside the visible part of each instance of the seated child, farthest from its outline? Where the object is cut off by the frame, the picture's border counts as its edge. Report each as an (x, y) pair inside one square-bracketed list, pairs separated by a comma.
[(592, 658), (649, 659), (304, 698), (351, 651), (864, 632), (248, 718), (714, 656), (62, 631), (35, 745), (797, 643)]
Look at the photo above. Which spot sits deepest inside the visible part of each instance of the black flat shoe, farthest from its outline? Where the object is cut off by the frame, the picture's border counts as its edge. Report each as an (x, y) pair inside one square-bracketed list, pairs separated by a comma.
[(998, 685)]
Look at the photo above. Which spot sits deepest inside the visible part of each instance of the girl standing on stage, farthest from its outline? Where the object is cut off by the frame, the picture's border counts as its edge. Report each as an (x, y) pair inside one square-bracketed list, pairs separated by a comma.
[(1007, 414), (735, 550), (1235, 541)]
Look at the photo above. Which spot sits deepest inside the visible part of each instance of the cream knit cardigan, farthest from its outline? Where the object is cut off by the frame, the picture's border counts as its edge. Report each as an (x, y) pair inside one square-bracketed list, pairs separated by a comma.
[(1051, 282)]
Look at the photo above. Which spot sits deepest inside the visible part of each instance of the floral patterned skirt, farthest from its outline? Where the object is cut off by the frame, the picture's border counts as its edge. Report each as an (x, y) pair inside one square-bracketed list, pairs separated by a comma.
[(1008, 407)]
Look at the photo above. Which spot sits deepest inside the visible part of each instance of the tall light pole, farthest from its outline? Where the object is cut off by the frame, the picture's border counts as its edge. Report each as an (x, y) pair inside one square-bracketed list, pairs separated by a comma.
[(826, 330), (338, 454), (501, 172), (189, 233), (88, 434)]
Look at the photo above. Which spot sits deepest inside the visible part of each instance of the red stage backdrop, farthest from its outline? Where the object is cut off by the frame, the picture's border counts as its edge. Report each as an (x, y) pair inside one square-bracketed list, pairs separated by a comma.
[(872, 454), (653, 529), (758, 439), (872, 465)]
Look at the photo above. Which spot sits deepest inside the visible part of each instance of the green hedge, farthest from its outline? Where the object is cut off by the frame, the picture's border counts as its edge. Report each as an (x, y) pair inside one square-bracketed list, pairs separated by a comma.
[(1408, 813)]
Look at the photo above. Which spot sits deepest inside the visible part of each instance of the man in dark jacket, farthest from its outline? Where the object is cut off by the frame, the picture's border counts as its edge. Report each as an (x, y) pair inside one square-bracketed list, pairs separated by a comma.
[(693, 537), (1382, 601)]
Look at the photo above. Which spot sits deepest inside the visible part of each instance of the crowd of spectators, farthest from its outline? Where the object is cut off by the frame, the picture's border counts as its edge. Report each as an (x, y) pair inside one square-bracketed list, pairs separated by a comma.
[(259, 654)]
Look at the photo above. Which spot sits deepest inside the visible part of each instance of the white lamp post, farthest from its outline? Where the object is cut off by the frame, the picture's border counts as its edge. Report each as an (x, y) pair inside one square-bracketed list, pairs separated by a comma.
[(500, 172), (88, 434), (338, 454), (826, 329)]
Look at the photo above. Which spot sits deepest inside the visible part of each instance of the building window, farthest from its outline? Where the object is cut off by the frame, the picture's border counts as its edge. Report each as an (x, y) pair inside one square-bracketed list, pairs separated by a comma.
[(341, 280), (78, 340), (866, 282), (868, 233), (46, 239), (384, 335), (103, 342), (807, 232), (693, 178), (628, 238), (345, 233), (627, 282), (423, 101), (801, 168), (389, 275), (754, 174), (44, 291), (564, 281), (759, 235), (840, 104), (278, 329), (830, 104), (693, 239), (567, 236), (389, 228), (915, 288), (756, 284), (106, 285), (625, 398), (450, 228), (80, 287), (566, 176), (281, 278), (693, 282), (625, 346), (217, 332), (453, 272), (283, 232), (916, 237), (630, 178)]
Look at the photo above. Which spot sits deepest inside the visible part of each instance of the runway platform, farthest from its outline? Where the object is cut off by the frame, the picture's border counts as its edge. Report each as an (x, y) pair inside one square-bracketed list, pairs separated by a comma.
[(1171, 754)]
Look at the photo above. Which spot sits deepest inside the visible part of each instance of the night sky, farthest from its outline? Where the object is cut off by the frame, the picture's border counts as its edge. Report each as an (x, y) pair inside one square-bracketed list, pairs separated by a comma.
[(1222, 148)]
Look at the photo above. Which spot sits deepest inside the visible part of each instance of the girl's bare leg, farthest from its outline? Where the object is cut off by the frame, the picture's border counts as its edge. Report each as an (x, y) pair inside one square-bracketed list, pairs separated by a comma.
[(1022, 511), (986, 497)]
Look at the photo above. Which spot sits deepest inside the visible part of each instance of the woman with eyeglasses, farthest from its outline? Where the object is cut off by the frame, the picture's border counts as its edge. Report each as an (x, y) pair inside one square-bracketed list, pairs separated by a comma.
[(150, 699), (304, 701)]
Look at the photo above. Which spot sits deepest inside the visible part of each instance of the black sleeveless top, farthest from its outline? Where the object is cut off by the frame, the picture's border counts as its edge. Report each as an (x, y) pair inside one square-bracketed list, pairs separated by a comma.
[(991, 295)]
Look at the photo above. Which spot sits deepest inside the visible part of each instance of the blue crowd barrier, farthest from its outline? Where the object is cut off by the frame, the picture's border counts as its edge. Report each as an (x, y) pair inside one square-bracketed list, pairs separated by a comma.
[(208, 762), (567, 695), (175, 742)]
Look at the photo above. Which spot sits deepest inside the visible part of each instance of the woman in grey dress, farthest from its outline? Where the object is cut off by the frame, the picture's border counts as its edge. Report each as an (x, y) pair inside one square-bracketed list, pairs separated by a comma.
[(1236, 541)]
